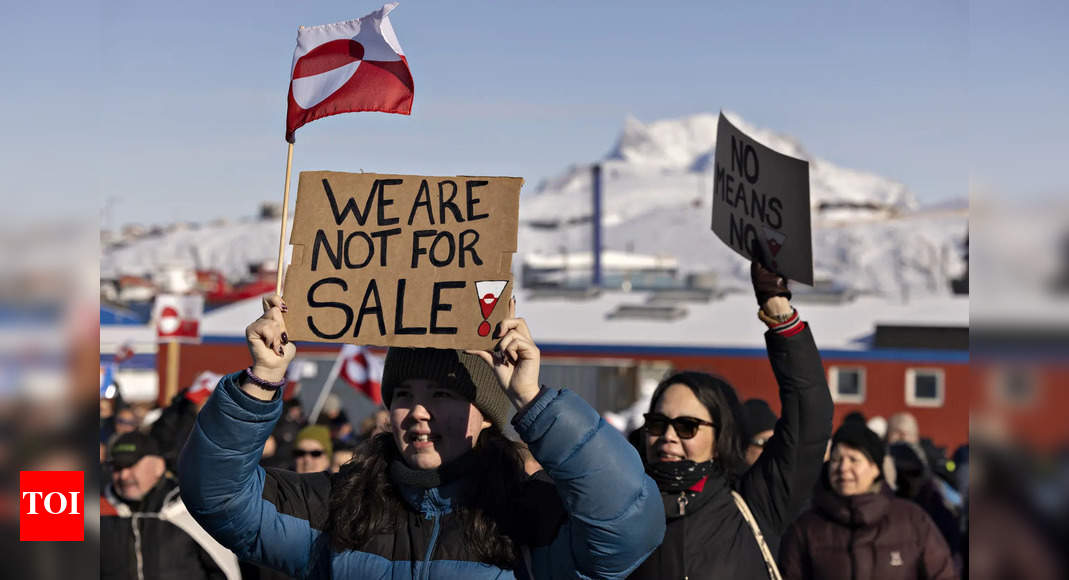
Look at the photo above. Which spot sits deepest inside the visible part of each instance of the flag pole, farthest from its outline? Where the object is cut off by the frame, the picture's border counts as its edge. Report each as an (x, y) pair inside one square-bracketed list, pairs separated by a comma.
[(285, 212), (171, 376), (328, 386)]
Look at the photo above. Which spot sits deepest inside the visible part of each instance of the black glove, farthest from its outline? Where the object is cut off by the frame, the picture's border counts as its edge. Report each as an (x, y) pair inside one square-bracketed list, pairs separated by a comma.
[(767, 284)]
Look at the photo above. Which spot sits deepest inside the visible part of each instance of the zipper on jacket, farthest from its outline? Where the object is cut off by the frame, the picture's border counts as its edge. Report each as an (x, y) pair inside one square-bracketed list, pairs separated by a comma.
[(134, 525), (682, 501), (430, 547)]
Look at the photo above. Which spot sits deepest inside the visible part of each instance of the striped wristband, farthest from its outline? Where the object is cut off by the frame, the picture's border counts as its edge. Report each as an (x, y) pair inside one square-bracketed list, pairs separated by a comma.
[(789, 327)]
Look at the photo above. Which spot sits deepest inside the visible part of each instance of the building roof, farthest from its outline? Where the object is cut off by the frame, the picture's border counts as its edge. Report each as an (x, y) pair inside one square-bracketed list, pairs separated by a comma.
[(727, 322)]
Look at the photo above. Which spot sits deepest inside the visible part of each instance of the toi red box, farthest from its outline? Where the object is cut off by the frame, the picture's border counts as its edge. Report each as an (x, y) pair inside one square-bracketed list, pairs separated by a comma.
[(51, 506)]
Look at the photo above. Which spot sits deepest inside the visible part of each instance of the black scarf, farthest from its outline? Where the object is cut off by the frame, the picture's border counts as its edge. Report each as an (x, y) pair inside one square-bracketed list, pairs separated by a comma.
[(401, 473), (676, 476)]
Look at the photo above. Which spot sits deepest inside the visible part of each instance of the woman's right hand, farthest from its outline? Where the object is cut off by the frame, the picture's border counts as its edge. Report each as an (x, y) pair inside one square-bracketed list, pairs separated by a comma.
[(268, 344)]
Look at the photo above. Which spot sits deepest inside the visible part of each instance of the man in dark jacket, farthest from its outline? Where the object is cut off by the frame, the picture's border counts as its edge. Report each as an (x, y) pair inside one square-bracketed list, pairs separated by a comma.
[(145, 530)]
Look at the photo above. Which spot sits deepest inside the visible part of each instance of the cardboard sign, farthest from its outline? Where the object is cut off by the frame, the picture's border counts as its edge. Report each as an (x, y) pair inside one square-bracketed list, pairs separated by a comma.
[(177, 317), (761, 204), (401, 260)]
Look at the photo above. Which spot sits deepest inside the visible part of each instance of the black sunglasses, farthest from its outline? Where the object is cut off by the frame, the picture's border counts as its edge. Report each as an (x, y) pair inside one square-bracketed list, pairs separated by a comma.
[(685, 427), (299, 453)]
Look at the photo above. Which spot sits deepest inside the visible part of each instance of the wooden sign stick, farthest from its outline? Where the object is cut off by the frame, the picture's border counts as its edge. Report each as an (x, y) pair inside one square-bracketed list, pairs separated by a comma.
[(285, 211)]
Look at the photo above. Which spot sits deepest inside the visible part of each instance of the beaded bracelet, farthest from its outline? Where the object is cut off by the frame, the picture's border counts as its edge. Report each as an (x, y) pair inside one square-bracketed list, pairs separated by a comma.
[(263, 383)]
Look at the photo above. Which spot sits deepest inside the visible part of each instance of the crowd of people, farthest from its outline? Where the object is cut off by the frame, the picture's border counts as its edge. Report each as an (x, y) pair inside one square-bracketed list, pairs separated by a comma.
[(236, 483), (146, 530)]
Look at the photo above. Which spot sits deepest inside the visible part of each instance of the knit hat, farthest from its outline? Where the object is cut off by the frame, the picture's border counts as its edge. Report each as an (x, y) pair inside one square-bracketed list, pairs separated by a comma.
[(857, 436), (757, 417), (317, 433), (466, 374)]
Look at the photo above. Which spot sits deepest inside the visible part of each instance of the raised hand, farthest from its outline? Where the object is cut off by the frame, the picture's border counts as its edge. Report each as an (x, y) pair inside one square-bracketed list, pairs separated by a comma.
[(515, 359), (770, 289), (268, 344)]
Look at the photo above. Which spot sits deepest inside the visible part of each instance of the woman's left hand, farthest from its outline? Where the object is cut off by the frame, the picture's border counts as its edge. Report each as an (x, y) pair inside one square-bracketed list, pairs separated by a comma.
[(515, 359)]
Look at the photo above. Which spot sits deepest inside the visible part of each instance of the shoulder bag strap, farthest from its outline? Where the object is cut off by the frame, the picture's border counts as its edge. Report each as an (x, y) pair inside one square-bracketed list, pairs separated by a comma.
[(770, 562)]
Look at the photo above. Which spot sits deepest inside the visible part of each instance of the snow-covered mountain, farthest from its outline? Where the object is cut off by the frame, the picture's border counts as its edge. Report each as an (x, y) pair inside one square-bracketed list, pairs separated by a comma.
[(670, 162), (657, 190), (869, 233)]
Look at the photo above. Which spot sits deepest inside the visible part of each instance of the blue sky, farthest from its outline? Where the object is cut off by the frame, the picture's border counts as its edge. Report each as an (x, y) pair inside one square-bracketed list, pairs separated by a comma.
[(174, 110)]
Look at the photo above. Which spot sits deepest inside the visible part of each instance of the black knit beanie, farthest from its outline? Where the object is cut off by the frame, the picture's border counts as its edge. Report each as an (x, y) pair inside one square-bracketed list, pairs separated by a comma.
[(757, 417), (466, 374), (858, 436)]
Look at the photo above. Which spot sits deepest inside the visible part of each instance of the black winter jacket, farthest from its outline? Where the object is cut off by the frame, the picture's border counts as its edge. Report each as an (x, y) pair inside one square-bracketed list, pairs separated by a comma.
[(149, 542), (712, 540), (173, 427)]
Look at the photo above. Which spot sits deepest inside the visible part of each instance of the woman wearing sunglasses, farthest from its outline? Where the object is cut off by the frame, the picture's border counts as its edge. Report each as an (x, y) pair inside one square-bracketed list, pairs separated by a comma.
[(443, 493), (725, 518)]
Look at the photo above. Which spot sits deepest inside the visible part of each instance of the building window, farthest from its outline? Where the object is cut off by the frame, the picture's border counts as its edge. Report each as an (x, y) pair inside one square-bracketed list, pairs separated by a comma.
[(847, 384), (925, 387)]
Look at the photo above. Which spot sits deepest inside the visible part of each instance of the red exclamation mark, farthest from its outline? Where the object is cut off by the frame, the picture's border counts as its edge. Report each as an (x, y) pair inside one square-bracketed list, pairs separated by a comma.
[(488, 292)]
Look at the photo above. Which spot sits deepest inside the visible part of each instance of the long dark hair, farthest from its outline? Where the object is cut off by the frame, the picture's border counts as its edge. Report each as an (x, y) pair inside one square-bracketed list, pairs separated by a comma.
[(720, 400), (364, 502)]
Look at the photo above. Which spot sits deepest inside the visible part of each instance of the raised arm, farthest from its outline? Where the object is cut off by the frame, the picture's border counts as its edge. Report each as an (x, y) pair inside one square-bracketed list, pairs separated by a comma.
[(783, 477), (615, 515), (269, 517)]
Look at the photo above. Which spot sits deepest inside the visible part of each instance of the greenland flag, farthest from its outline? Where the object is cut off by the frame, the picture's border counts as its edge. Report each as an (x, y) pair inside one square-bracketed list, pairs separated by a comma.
[(362, 370), (356, 65)]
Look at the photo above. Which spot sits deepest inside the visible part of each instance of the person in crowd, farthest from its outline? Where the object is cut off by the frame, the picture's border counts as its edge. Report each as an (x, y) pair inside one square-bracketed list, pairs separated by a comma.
[(444, 493), (125, 421), (855, 417), (343, 452), (903, 427), (341, 431), (313, 450), (109, 406), (961, 468), (857, 528), (145, 529), (878, 425), (724, 518), (916, 483), (332, 409), (759, 422), (284, 437), (141, 411), (172, 428), (375, 423)]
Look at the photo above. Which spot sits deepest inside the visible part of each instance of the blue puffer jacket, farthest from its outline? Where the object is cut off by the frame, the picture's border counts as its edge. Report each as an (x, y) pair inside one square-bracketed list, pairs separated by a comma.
[(606, 518)]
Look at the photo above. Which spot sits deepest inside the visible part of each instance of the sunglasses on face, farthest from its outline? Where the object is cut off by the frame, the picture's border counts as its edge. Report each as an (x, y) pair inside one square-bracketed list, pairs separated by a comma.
[(685, 427), (299, 453)]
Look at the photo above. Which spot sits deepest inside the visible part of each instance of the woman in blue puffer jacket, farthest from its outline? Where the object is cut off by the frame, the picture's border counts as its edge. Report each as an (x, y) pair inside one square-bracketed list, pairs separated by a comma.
[(444, 495)]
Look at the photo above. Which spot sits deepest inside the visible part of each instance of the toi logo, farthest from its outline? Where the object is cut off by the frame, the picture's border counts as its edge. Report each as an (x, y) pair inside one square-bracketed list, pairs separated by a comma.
[(51, 506)]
